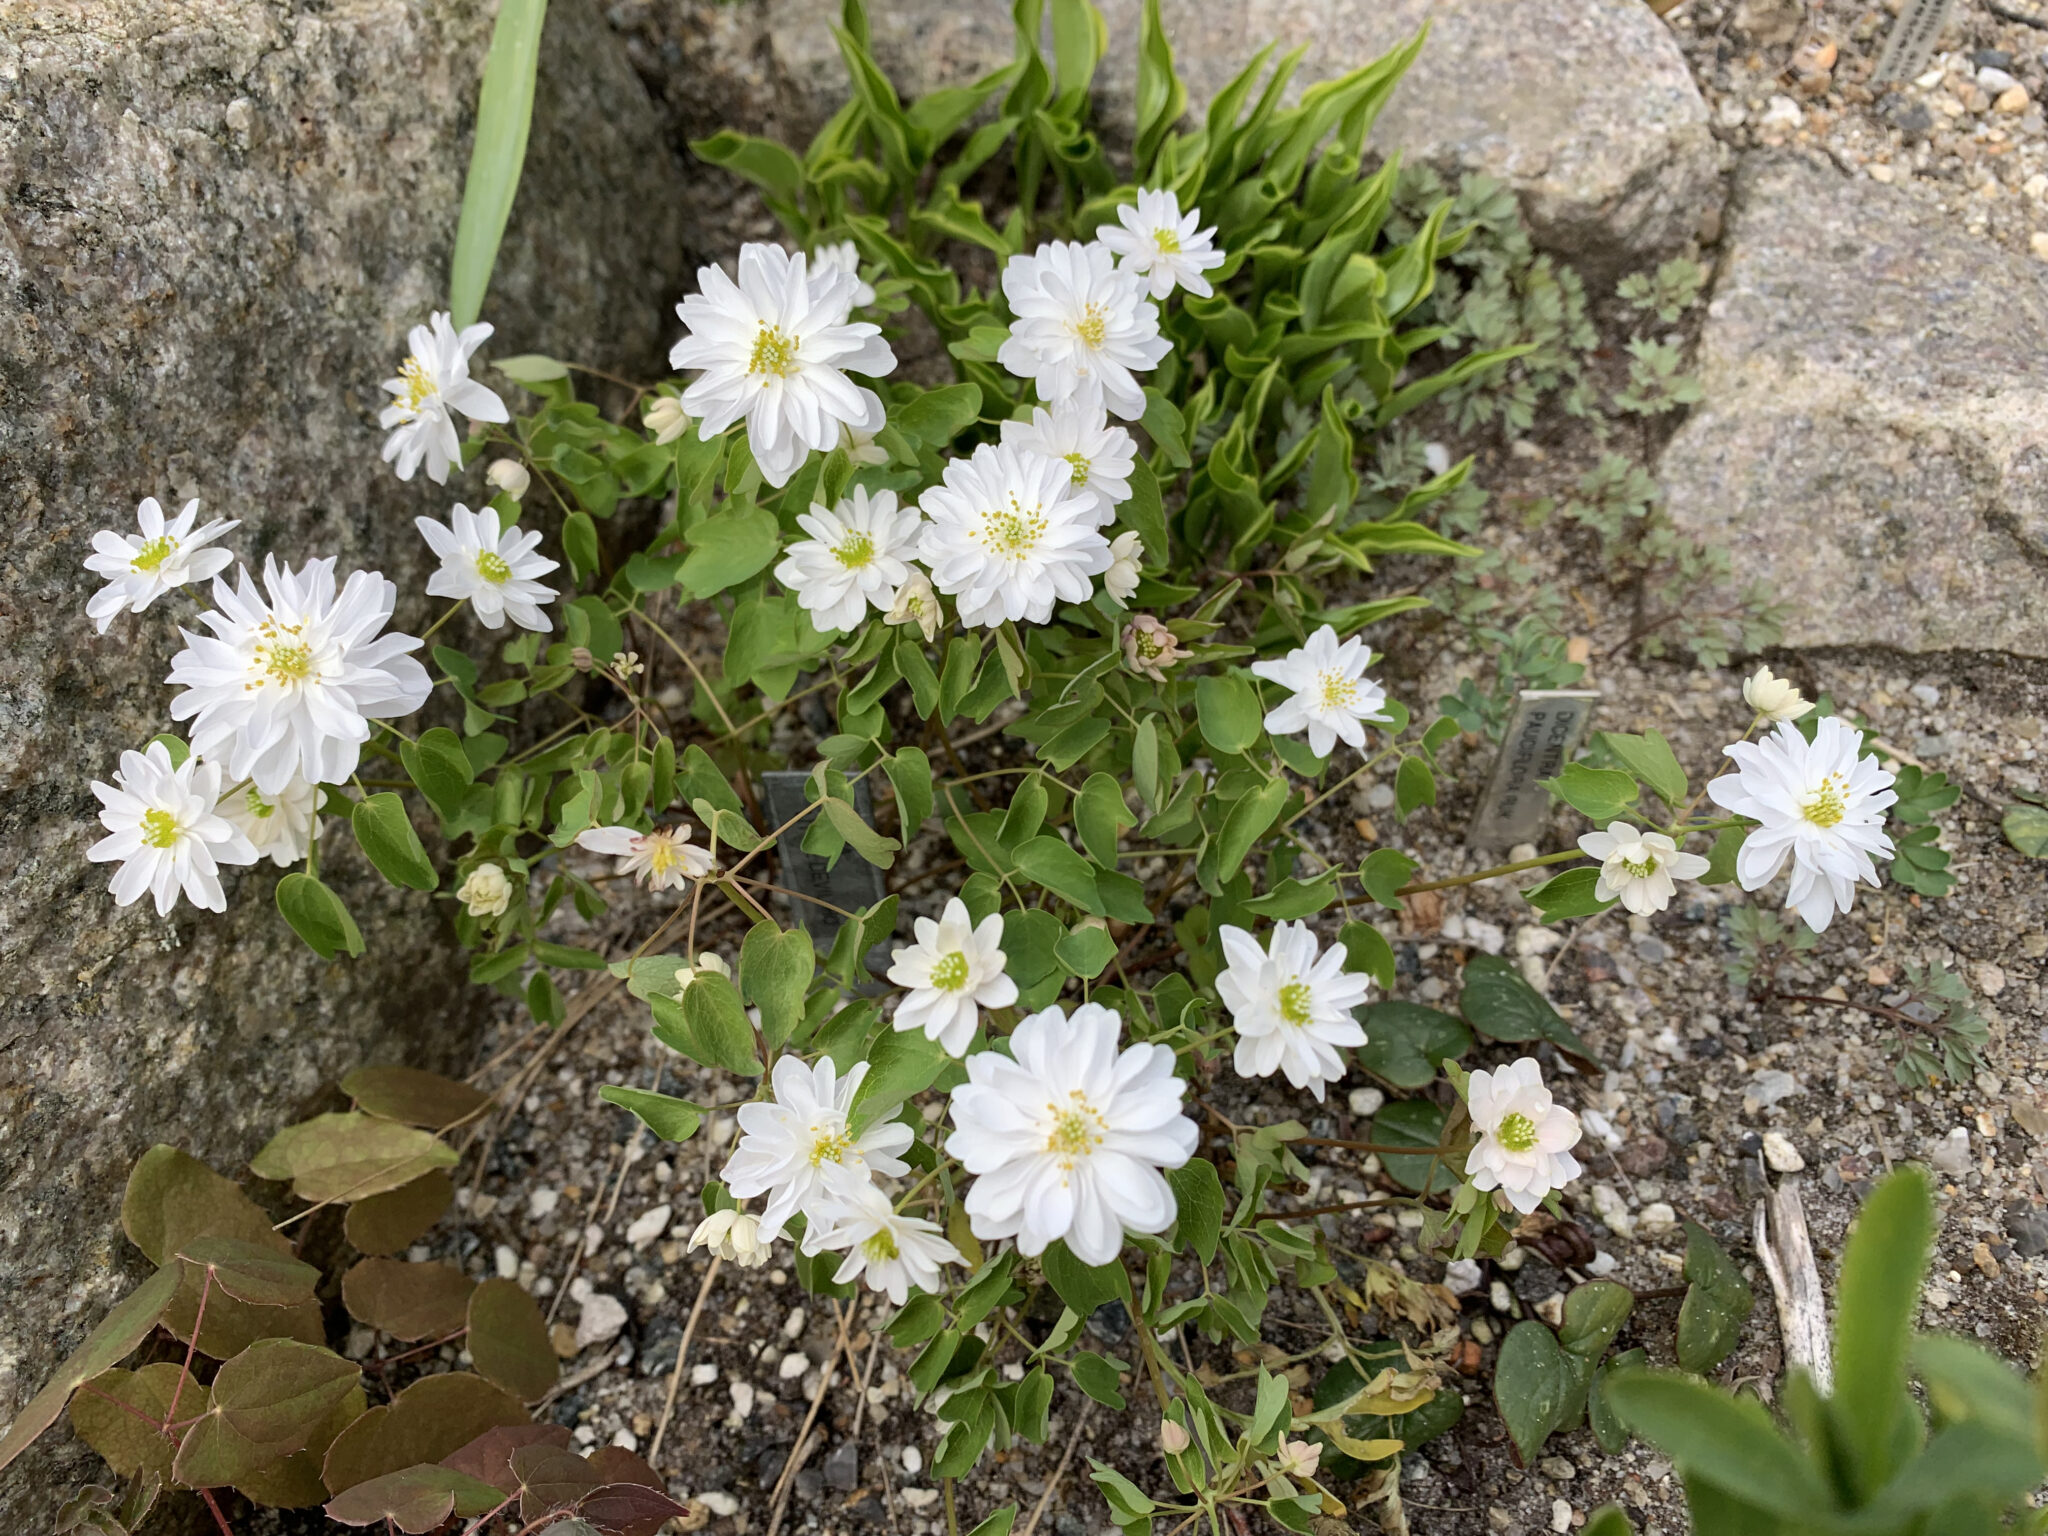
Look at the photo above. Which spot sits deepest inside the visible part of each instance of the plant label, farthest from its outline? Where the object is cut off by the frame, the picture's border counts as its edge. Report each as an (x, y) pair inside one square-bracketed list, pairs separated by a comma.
[(851, 884), (1543, 732), (1911, 43)]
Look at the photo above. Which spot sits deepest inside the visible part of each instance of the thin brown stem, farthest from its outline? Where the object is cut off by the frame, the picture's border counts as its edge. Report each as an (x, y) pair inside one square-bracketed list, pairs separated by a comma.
[(213, 1507), (1488, 874)]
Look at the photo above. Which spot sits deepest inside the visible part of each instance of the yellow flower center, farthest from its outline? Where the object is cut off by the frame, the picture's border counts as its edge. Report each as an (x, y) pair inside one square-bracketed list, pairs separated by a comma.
[(159, 829), (1076, 1130), (287, 661), (1294, 1003), (1339, 691), (950, 974), (1014, 531), (419, 384), (1640, 871), (662, 853), (1828, 804), (1167, 240), (881, 1246), (857, 551), (1517, 1132), (829, 1146), (259, 807), (774, 352), (492, 567), (154, 553), (1080, 463), (1092, 327)]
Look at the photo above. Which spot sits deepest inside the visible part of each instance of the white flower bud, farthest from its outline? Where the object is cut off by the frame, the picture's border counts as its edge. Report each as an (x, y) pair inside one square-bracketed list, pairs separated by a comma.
[(733, 1236), (1298, 1458), (917, 604), (509, 476), (487, 892), (1773, 698), (666, 418), (1126, 555), (1172, 1438)]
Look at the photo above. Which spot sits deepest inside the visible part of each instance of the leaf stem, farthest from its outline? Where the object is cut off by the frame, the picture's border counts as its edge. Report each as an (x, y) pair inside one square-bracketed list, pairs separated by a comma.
[(1488, 874)]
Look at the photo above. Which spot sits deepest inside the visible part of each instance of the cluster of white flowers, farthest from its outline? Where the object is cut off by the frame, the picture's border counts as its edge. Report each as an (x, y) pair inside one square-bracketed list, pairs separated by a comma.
[(1010, 530)]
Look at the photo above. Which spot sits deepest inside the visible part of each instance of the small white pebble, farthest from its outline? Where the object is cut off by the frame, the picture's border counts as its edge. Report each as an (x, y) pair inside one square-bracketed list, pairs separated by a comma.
[(913, 1460), (703, 1373), (586, 1434), (1781, 1154), (542, 1203), (593, 1239), (1656, 1219), (719, 1502), (742, 1399), (1462, 1277), (603, 1319), (507, 1262), (919, 1498), (794, 1364), (1366, 1101), (793, 1324), (1561, 1509), (626, 1440), (1501, 1297), (648, 1225), (1604, 1263)]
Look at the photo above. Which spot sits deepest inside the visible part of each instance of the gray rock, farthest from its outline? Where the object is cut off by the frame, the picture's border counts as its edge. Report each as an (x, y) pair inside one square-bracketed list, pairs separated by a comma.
[(1585, 107), (1870, 440), (842, 1466), (217, 223)]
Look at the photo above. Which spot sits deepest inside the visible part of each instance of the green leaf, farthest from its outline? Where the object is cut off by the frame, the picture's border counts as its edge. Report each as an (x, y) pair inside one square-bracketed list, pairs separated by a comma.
[(938, 416), (1405, 1043), (1600, 794), (417, 1499), (1198, 1200), (252, 1272), (1414, 786), (1415, 1123), (129, 1322), (531, 367), (1717, 1303), (1721, 857), (395, 1220), (728, 547), (317, 916), (1292, 899), (508, 1340), (1650, 758), (1227, 708), (1728, 1442), (910, 774), (1366, 949), (1607, 1427), (1921, 795), (504, 112), (2026, 828), (408, 1301), (1086, 951), (1161, 98), (1098, 1378), (1532, 1386), (775, 973), (878, 850), (349, 1156), (412, 1096), (1145, 513), (767, 164), (1048, 861), (901, 1065), (1593, 1315), (1099, 816), (386, 835), (1247, 823), (277, 1392), (1883, 1265), (1083, 1287), (997, 1524), (1383, 873), (1499, 1002), (1609, 1520), (437, 763), (708, 1025), (670, 1119), (1126, 1501), (1571, 894)]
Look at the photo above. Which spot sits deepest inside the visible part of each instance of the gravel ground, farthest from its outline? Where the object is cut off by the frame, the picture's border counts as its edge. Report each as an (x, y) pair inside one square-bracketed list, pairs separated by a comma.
[(1968, 129)]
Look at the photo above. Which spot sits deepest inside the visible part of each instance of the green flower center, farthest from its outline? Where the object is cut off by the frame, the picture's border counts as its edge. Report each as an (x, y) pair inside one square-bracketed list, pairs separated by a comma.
[(419, 384), (1014, 532), (1076, 1130), (287, 661), (881, 1246), (259, 807), (1339, 691), (1080, 463), (774, 352), (1517, 1132), (1167, 240), (1092, 327), (1826, 806), (950, 974), (857, 551), (154, 553), (1639, 871), (492, 567), (1149, 645), (1295, 998), (159, 829), (829, 1147)]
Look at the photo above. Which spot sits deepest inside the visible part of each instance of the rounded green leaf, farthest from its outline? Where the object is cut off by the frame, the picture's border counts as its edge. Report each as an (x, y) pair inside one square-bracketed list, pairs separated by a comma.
[(508, 1340), (387, 838), (317, 916), (1227, 709)]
